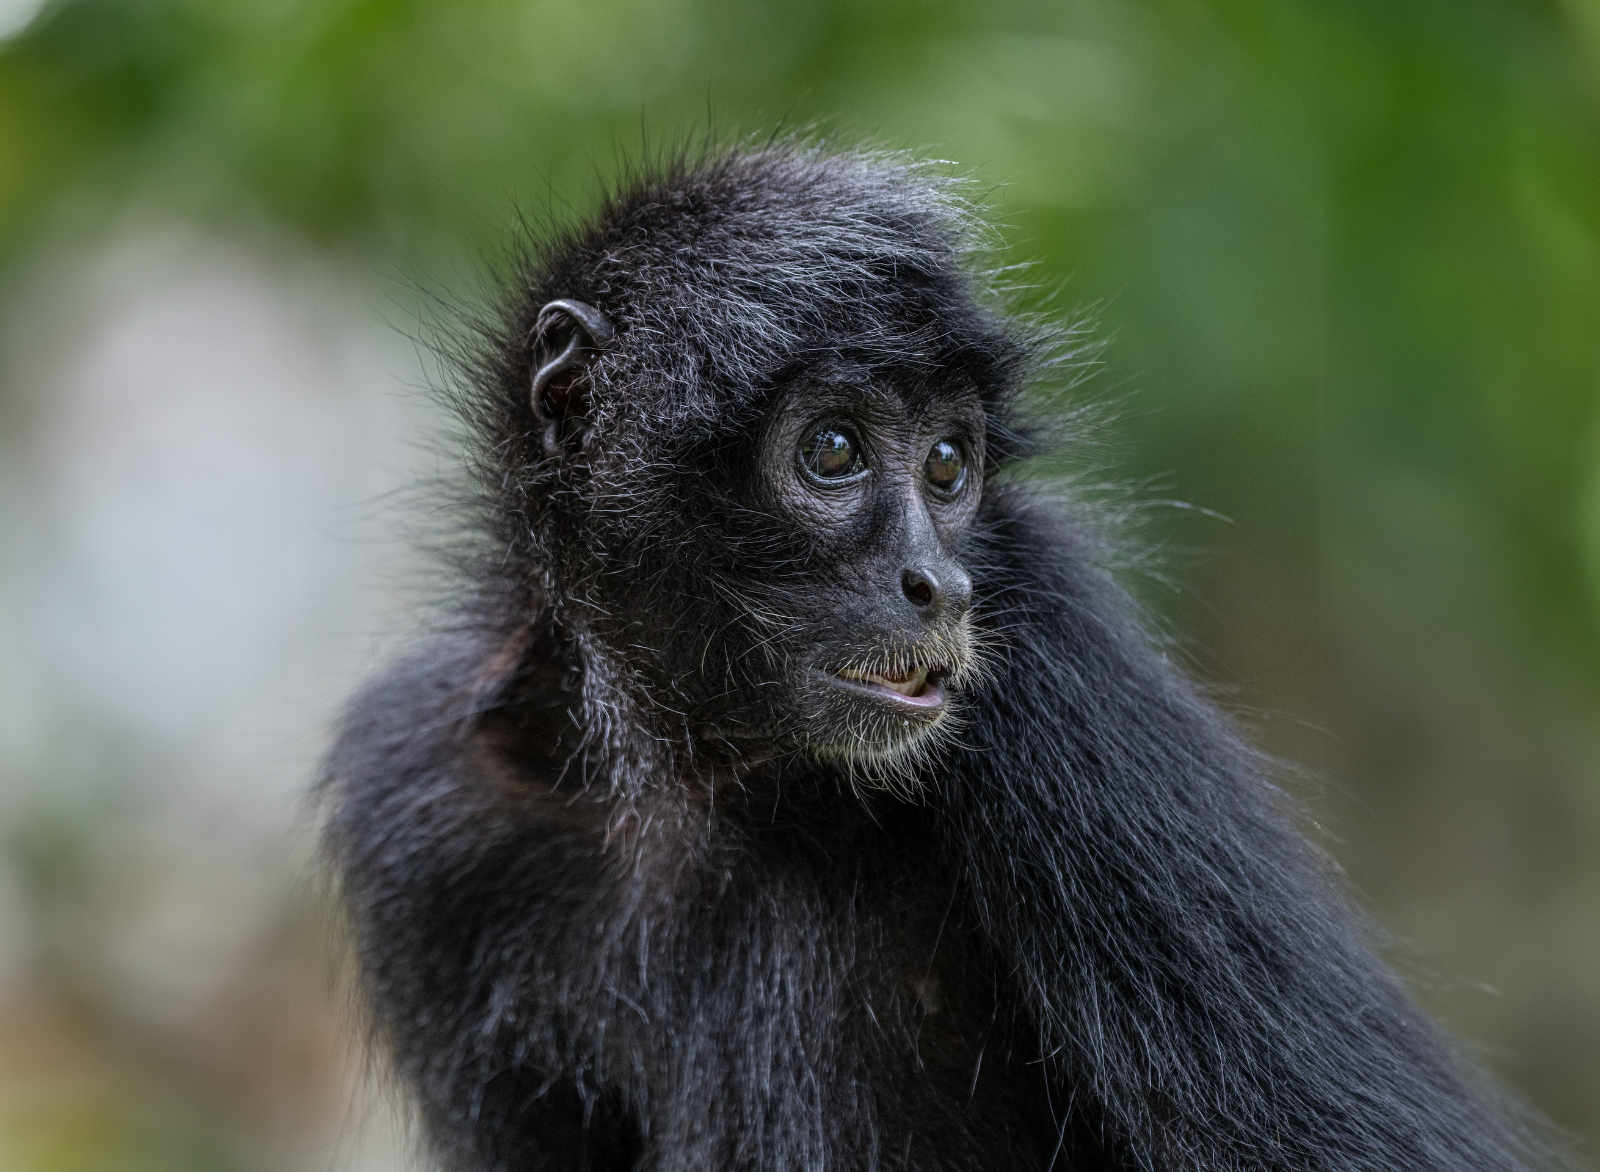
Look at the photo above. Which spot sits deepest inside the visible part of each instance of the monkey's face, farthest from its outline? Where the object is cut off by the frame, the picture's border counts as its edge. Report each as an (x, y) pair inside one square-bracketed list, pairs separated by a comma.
[(776, 571), (866, 633)]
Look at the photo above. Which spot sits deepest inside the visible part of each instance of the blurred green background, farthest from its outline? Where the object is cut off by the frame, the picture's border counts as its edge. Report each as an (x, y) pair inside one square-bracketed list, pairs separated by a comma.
[(1349, 257)]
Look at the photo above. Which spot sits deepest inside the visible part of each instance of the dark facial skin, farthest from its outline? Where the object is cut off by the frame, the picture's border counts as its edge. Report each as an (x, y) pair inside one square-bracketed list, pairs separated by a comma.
[(882, 483)]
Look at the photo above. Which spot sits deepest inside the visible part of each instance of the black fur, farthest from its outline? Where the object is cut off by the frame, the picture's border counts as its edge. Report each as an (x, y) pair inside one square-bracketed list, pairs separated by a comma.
[(610, 913)]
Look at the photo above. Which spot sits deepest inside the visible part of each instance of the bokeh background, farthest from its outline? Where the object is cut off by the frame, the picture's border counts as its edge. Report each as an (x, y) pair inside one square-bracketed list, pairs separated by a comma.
[(1348, 254)]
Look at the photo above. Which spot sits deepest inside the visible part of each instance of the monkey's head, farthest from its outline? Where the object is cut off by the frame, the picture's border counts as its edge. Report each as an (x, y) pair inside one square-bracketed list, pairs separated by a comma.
[(745, 422)]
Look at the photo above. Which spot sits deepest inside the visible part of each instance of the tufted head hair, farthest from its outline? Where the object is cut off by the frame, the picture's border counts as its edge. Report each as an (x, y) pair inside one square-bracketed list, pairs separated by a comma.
[(722, 274)]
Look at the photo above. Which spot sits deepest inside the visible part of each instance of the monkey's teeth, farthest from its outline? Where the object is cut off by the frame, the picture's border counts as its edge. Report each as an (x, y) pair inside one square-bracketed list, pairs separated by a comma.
[(907, 685)]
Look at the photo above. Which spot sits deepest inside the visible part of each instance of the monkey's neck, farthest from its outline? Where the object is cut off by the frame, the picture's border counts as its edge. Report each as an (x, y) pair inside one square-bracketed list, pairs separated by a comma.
[(598, 716)]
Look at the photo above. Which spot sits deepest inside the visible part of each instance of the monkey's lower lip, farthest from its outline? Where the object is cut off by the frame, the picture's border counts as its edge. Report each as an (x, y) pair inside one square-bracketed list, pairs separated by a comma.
[(922, 688)]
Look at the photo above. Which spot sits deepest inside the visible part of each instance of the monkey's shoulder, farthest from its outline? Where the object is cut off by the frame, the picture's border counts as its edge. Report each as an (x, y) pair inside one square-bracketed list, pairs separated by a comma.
[(473, 715)]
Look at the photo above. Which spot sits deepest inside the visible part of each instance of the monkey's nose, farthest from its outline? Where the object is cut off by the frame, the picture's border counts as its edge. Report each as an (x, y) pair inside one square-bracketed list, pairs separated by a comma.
[(947, 591)]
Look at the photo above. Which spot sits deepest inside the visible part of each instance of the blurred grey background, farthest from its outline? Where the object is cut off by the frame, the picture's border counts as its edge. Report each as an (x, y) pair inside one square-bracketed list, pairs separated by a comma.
[(1349, 258)]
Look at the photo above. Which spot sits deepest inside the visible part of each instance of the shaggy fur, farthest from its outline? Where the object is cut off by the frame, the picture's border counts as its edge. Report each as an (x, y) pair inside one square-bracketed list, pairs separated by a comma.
[(611, 914)]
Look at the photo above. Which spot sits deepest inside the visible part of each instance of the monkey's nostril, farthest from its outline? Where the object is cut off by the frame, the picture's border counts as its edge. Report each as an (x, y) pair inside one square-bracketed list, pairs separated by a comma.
[(917, 587)]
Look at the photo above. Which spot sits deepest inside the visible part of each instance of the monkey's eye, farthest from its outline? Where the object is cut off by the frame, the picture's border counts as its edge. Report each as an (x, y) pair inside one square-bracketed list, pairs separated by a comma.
[(831, 454), (946, 466)]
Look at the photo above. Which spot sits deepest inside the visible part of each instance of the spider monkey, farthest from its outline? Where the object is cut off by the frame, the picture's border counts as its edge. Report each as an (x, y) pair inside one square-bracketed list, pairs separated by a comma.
[(793, 788)]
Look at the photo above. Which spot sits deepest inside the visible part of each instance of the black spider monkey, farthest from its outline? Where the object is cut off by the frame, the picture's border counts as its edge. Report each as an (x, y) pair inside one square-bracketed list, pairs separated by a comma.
[(793, 789)]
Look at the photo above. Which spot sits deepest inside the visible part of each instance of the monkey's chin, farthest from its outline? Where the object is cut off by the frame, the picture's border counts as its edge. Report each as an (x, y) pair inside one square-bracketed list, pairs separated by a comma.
[(881, 736)]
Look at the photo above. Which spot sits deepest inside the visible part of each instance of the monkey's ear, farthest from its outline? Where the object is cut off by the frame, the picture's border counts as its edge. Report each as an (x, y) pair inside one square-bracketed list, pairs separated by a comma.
[(567, 337)]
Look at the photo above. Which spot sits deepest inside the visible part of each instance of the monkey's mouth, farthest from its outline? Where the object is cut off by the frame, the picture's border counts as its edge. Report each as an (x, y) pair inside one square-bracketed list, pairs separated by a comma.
[(919, 687)]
